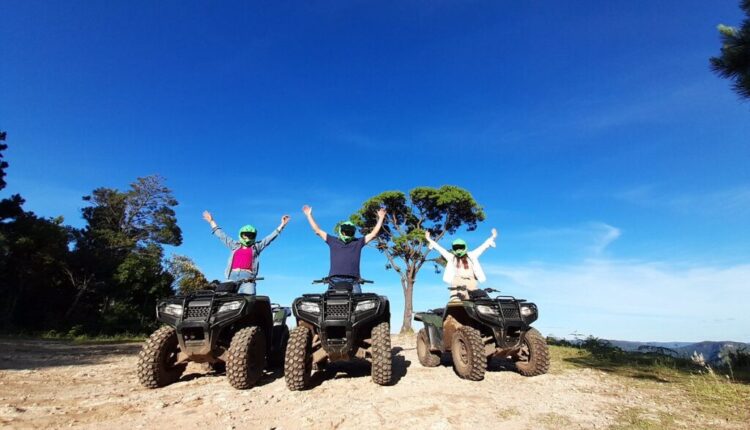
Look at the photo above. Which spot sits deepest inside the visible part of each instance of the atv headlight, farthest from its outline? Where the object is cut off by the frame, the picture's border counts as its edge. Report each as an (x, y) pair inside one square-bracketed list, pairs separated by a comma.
[(527, 311), (309, 307), (365, 305), (230, 306), (486, 310), (173, 309)]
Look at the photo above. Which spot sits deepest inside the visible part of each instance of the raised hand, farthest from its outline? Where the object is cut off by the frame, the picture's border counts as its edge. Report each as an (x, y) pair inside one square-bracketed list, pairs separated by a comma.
[(207, 216), (285, 220), (427, 234), (381, 213), (307, 210), (494, 233)]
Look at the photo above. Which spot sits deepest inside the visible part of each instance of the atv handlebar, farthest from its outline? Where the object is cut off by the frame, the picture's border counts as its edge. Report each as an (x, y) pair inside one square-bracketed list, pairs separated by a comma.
[(327, 279), (463, 288)]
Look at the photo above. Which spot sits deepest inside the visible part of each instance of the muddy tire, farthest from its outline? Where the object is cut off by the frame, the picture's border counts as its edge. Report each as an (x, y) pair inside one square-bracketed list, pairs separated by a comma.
[(246, 358), (426, 357), (276, 359), (467, 350), (382, 357), (157, 361), (533, 360), (298, 359)]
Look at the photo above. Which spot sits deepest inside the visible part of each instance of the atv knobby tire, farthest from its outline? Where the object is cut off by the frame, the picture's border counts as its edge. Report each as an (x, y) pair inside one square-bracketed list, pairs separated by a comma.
[(276, 359), (537, 360), (380, 351), (157, 361), (426, 357), (298, 359), (247, 358), (467, 350)]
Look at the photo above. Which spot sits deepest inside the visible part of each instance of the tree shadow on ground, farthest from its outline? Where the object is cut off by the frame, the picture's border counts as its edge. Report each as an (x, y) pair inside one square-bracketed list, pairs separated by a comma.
[(39, 354)]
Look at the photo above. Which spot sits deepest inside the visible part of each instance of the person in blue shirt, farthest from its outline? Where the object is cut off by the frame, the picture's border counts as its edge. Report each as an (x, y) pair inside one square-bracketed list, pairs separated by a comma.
[(345, 250)]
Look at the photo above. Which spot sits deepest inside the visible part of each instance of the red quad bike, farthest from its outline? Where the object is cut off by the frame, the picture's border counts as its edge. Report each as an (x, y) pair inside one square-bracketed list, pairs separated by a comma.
[(480, 328)]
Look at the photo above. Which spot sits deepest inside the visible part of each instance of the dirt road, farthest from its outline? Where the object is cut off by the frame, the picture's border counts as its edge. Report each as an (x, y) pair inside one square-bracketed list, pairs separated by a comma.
[(61, 385)]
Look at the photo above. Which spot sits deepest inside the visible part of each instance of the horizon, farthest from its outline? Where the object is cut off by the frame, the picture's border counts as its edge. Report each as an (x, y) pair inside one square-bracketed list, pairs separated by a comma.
[(610, 158)]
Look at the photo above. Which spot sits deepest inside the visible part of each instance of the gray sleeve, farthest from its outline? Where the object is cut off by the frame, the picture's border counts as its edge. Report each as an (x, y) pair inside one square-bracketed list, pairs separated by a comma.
[(228, 241), (260, 246)]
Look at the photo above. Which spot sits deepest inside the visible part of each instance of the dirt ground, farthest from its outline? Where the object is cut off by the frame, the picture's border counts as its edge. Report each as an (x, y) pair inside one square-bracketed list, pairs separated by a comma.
[(61, 385)]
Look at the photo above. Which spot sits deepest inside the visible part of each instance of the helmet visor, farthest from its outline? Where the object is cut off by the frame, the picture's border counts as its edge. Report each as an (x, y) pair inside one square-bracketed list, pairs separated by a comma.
[(459, 247)]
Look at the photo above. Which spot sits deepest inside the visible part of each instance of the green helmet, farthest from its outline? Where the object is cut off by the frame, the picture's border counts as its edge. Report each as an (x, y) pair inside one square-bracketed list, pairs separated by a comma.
[(346, 231), (459, 247), (247, 235)]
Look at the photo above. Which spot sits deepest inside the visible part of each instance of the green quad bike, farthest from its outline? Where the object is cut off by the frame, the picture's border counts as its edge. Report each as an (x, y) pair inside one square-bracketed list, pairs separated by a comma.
[(338, 325), (480, 328), (220, 328)]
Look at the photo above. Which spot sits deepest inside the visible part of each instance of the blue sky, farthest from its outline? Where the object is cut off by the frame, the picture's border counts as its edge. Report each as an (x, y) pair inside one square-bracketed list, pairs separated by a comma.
[(613, 162)]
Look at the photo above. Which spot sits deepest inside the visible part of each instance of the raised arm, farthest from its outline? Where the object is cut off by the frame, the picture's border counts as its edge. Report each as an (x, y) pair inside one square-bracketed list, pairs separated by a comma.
[(260, 246), (487, 243), (217, 231), (375, 230), (308, 213), (434, 245)]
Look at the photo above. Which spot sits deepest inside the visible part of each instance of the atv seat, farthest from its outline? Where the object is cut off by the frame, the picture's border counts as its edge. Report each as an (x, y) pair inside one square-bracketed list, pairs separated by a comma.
[(437, 311), (227, 287)]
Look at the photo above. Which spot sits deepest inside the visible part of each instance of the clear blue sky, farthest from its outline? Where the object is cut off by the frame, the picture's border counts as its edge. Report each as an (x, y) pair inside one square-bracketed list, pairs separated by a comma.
[(613, 162)]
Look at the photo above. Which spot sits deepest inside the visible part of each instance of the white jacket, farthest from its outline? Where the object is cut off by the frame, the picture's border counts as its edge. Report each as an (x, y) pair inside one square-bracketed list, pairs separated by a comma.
[(450, 268)]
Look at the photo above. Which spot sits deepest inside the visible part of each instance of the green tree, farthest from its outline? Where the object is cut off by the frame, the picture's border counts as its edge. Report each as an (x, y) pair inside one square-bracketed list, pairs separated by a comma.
[(116, 266), (187, 276), (440, 210), (31, 249), (734, 61), (3, 163)]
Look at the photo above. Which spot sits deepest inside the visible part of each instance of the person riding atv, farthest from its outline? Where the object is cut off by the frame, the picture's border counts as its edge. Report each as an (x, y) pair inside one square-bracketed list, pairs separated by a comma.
[(462, 268), (244, 261), (345, 250), (343, 322)]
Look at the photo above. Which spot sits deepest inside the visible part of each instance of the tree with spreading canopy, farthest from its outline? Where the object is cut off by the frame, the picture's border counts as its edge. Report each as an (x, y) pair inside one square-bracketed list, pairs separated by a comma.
[(734, 61), (440, 210)]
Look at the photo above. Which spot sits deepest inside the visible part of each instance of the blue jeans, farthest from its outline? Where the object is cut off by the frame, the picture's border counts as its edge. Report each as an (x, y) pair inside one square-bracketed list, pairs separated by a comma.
[(245, 287), (356, 288)]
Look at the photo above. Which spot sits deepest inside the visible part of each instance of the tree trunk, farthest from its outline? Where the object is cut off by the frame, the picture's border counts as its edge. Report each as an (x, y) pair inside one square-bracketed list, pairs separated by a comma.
[(407, 283)]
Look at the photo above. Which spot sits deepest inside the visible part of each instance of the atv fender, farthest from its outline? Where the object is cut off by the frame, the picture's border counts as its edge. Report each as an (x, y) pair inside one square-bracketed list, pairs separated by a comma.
[(433, 324)]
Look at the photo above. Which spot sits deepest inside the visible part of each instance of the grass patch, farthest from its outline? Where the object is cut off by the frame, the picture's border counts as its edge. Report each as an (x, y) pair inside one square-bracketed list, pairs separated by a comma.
[(707, 392), (639, 419), (77, 338), (504, 414), (554, 420)]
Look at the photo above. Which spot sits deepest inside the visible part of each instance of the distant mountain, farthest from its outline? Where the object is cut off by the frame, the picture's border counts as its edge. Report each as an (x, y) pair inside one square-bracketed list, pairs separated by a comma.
[(709, 349)]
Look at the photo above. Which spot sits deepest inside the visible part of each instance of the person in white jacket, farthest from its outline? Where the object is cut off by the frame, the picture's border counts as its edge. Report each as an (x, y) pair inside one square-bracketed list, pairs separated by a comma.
[(462, 268)]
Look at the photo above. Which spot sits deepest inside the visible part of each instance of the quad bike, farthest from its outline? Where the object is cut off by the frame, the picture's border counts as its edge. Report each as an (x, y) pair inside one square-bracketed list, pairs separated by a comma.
[(226, 331), (338, 325), (480, 328)]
